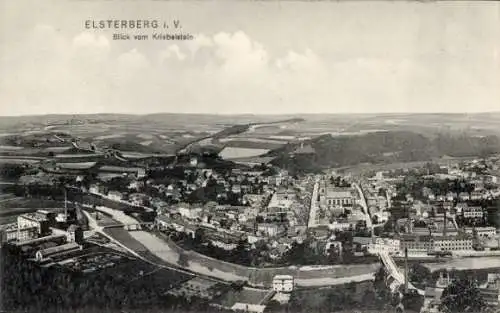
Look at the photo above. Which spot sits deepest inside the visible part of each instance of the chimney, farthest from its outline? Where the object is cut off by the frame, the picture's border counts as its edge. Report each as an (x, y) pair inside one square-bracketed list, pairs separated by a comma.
[(65, 205), (406, 270), (445, 223)]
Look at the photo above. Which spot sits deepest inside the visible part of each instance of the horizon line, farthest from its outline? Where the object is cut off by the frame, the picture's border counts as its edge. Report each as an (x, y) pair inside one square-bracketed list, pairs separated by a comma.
[(251, 114)]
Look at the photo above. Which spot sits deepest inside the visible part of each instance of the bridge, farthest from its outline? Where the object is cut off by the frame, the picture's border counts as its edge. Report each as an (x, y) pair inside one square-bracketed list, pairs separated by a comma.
[(121, 220), (395, 273), (96, 228)]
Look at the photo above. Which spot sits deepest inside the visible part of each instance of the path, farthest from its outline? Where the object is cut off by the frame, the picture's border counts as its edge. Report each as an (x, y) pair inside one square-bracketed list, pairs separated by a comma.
[(364, 205), (314, 205)]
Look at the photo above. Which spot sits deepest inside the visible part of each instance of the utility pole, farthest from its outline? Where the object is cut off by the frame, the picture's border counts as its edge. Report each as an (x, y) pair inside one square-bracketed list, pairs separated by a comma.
[(406, 270)]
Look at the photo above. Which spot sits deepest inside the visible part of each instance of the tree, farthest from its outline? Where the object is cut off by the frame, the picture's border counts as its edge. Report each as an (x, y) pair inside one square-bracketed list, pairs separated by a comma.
[(462, 295), (183, 260), (419, 273)]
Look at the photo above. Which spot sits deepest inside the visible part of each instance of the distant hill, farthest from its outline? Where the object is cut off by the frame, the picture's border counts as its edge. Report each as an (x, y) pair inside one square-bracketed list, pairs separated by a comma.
[(380, 147), (464, 145), (131, 146)]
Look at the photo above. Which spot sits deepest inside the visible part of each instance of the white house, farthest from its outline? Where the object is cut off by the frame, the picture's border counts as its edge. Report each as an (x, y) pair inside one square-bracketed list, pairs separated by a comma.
[(115, 195), (283, 283)]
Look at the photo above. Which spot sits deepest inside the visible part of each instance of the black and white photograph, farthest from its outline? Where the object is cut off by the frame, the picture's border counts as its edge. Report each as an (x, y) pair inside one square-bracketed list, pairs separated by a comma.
[(249, 156)]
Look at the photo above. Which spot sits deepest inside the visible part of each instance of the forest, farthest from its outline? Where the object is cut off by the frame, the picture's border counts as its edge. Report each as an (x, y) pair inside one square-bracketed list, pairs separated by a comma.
[(27, 287), (381, 147)]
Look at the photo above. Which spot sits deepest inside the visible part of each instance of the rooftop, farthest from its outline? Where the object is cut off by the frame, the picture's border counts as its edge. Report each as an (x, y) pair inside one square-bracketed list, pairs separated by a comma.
[(34, 216), (337, 192), (283, 277)]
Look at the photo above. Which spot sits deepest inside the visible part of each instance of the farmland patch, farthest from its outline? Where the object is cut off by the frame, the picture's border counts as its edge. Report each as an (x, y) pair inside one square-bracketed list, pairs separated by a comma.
[(233, 152)]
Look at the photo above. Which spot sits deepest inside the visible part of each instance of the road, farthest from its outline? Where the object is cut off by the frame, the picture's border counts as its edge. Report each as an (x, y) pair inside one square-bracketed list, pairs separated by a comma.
[(389, 200), (363, 203), (314, 205)]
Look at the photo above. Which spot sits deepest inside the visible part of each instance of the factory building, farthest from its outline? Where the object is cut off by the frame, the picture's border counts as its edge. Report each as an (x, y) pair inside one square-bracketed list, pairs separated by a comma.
[(57, 251)]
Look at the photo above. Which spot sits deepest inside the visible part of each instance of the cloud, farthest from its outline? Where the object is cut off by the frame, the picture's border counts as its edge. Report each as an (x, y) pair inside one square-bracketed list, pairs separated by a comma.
[(87, 40), (239, 54), (220, 73), (132, 60), (297, 62), (172, 51)]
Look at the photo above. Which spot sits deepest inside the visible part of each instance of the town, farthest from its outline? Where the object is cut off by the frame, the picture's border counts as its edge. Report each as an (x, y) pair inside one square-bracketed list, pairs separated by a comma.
[(196, 229)]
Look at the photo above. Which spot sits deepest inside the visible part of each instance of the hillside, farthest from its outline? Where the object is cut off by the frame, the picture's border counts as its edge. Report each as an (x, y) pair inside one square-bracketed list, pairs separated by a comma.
[(380, 147)]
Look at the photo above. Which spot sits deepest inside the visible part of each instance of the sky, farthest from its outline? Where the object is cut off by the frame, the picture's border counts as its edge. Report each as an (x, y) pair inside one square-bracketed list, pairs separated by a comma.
[(251, 57)]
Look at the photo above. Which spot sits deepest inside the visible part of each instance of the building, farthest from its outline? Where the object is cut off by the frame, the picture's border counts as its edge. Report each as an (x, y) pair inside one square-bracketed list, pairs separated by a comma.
[(138, 199), (464, 196), (138, 172), (472, 212), (11, 232), (391, 246), (432, 295), (95, 188), (340, 197), (476, 195), (491, 290), (340, 225), (432, 300), (451, 196), (482, 232), (189, 213), (38, 220), (269, 229), (452, 243), (57, 251), (416, 243), (283, 283), (75, 234), (226, 241), (164, 222), (115, 195), (56, 238)]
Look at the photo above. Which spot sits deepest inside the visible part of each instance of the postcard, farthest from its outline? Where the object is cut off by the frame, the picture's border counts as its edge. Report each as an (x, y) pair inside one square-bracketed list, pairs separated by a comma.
[(249, 156)]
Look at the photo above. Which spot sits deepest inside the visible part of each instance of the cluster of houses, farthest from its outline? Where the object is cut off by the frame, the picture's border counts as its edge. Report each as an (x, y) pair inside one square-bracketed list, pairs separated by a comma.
[(273, 217), (451, 222), (226, 226)]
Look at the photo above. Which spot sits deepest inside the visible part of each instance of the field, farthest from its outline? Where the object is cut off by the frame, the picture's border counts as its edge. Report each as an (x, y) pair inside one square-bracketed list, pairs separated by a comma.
[(238, 136), (246, 295), (159, 279), (18, 205), (232, 152), (355, 297)]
